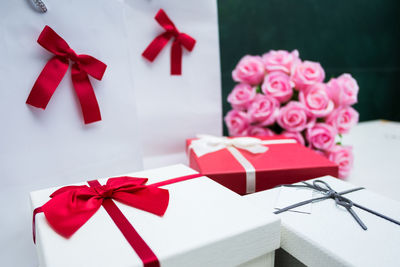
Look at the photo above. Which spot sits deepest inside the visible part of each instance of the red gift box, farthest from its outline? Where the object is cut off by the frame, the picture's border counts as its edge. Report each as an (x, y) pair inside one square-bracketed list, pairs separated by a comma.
[(284, 162)]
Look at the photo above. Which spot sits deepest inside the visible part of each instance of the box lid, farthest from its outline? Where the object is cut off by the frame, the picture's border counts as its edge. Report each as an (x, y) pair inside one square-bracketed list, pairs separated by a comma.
[(283, 156), (205, 225), (329, 236)]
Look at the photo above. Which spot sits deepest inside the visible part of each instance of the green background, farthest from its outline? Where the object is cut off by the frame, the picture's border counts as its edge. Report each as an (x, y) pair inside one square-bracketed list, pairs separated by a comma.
[(359, 37)]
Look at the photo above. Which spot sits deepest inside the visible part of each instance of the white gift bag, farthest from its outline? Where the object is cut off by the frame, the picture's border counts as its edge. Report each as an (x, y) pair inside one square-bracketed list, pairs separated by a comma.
[(54, 146), (172, 108)]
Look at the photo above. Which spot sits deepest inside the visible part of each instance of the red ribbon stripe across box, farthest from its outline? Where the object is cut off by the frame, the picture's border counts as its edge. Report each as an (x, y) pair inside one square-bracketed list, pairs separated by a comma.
[(55, 69), (248, 164), (70, 207), (180, 39)]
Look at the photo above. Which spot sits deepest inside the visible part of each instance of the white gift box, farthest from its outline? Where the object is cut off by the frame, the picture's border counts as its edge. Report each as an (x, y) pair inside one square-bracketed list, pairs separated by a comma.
[(205, 225), (330, 236), (172, 108)]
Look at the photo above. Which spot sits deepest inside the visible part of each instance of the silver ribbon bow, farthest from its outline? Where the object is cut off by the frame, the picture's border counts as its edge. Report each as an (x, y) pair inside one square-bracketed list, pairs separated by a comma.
[(324, 188)]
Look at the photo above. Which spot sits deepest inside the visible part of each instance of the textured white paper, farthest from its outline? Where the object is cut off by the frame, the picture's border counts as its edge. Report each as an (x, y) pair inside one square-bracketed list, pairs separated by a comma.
[(40, 148), (172, 109), (331, 237), (205, 225)]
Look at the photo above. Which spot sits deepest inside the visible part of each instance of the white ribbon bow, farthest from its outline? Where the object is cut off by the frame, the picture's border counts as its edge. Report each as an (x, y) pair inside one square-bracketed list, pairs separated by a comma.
[(207, 143)]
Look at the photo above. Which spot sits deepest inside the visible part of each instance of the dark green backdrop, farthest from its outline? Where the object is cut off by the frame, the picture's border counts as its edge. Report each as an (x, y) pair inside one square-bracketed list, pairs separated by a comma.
[(360, 37)]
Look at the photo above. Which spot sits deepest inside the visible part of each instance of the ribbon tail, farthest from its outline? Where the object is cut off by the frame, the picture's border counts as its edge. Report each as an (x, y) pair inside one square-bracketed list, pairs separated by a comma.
[(144, 252), (299, 204), (176, 58), (377, 214), (156, 46), (87, 98), (47, 82), (35, 211)]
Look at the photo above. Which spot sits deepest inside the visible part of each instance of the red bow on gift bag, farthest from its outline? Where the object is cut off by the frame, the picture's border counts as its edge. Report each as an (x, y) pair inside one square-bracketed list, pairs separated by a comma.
[(55, 69), (181, 39)]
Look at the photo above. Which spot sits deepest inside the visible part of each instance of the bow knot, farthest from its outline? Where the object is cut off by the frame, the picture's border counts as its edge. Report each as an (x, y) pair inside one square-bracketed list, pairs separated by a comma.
[(327, 190), (332, 194), (181, 39), (72, 55), (104, 191), (172, 30), (55, 69)]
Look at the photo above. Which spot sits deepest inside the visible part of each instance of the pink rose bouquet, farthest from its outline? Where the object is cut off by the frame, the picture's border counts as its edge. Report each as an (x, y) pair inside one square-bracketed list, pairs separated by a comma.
[(279, 94)]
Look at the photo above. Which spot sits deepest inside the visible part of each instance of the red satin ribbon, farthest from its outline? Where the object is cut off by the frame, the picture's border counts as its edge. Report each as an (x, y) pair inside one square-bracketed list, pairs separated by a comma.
[(70, 207), (181, 39), (55, 69)]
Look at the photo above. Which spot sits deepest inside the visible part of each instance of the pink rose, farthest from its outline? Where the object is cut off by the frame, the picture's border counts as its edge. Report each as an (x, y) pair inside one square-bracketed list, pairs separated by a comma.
[(316, 100), (280, 60), (294, 135), (343, 90), (306, 74), (321, 136), (241, 96), (237, 122), (260, 131), (343, 118), (343, 156), (294, 117), (278, 84), (263, 110), (250, 69)]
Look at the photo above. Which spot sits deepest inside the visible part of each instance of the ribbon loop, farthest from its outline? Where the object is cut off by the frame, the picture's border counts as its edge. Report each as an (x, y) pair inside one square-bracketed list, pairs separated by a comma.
[(325, 188), (330, 193), (181, 39), (52, 42), (162, 18), (55, 69), (187, 41)]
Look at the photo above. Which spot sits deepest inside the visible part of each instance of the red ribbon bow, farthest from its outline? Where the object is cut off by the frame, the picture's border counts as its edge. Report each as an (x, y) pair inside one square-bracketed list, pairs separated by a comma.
[(181, 39), (55, 69), (71, 207)]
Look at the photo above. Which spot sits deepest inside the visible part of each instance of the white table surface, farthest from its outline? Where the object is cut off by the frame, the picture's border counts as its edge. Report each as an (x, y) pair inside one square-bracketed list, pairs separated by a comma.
[(376, 148)]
